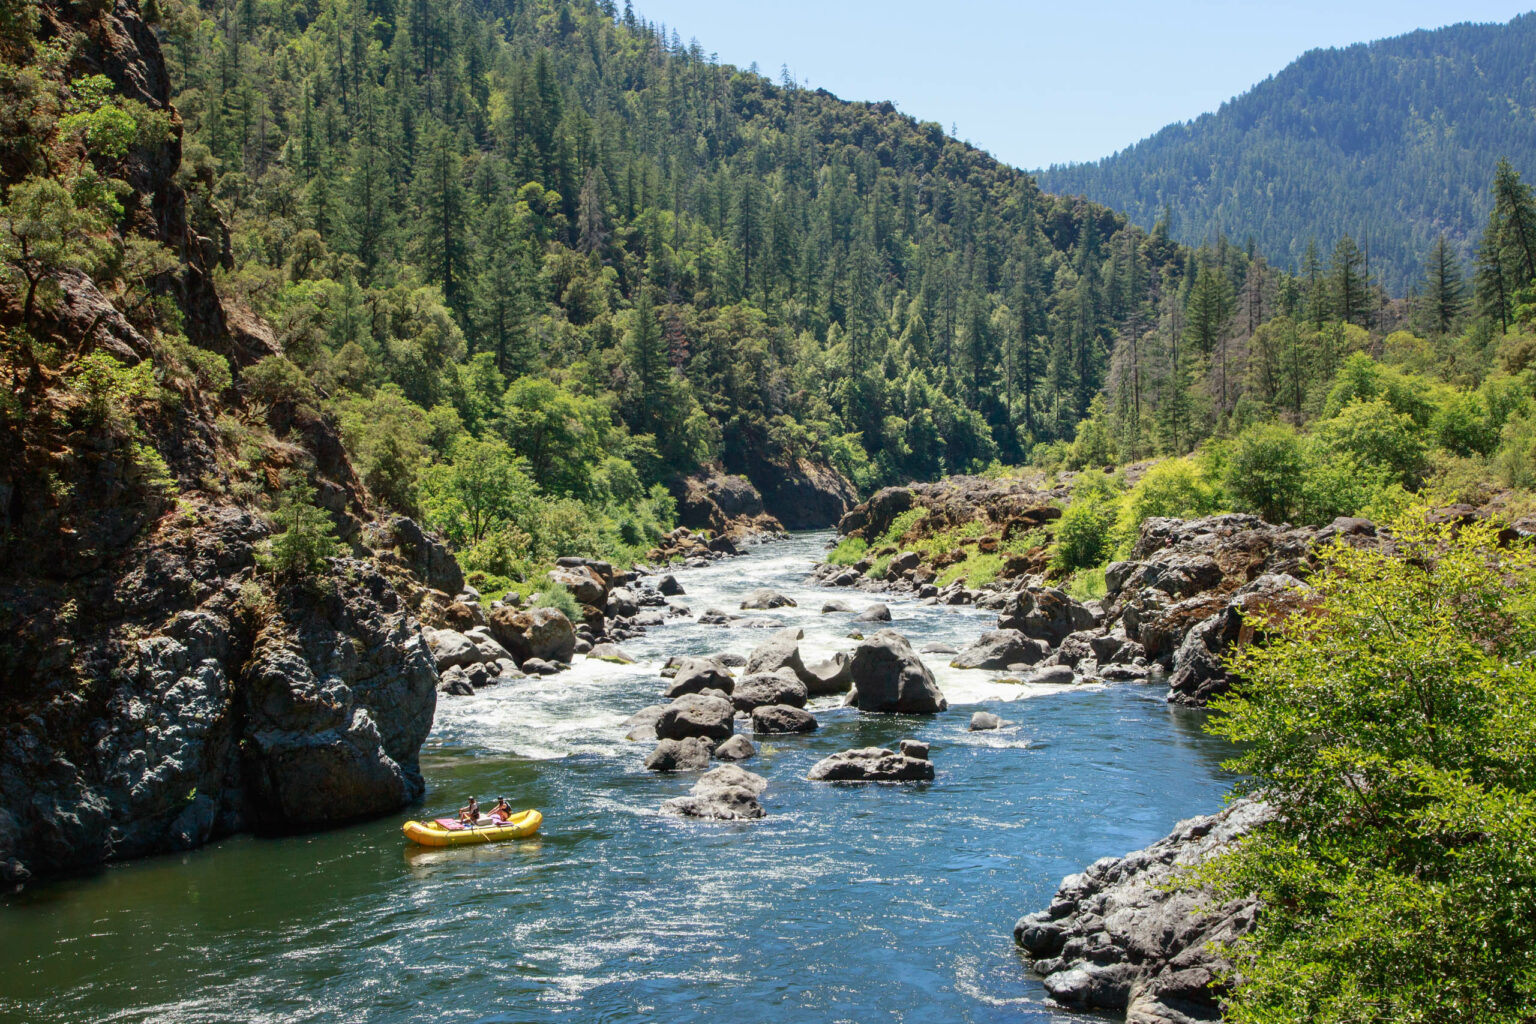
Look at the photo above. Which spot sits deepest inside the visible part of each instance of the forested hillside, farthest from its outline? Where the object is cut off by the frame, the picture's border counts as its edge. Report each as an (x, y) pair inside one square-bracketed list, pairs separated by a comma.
[(538, 231), (1388, 141)]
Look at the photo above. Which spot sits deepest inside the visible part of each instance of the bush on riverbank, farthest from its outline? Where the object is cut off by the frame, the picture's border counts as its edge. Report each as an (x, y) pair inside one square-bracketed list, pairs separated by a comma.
[(1393, 725)]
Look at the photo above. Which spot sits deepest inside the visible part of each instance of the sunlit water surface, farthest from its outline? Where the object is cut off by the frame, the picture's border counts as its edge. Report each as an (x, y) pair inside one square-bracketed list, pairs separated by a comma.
[(848, 903)]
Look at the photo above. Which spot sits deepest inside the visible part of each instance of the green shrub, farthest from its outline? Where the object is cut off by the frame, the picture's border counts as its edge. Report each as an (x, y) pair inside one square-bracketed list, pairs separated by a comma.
[(108, 385), (1173, 487), (1393, 729), (1087, 585), (277, 381), (1264, 471), (1083, 533), (849, 551), (554, 595), (305, 537)]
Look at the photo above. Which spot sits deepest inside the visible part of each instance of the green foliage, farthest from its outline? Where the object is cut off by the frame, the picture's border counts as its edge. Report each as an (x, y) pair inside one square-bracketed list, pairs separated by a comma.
[(275, 380), (1264, 471), (556, 596), (1084, 533), (305, 537), (1087, 585), (109, 387), (1173, 487), (1393, 727), (1373, 436), (849, 551)]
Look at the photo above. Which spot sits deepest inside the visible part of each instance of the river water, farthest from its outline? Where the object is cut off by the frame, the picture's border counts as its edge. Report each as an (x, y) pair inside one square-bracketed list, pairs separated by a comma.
[(847, 903)]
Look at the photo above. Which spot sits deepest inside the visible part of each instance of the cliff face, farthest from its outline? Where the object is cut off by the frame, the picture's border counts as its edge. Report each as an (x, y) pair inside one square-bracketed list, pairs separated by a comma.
[(157, 690)]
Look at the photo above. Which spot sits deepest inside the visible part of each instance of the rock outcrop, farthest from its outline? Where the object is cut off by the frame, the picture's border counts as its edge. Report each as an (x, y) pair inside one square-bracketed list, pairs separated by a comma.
[(1121, 937), (726, 505), (159, 689)]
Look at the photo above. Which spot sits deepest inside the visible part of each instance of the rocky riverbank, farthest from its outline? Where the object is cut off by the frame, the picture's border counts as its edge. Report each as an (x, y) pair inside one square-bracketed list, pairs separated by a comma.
[(1190, 592), (1124, 936)]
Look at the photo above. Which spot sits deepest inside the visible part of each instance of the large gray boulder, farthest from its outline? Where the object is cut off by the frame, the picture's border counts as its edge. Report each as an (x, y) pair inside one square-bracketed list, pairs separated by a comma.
[(889, 677), (641, 725), (695, 675), (1199, 663), (690, 754), (1122, 937), (737, 748), (585, 585), (697, 714), (871, 764), (726, 793), (1000, 649), (764, 599), (767, 688), (780, 651), (782, 718), (874, 613), (829, 678), (450, 648), (543, 633)]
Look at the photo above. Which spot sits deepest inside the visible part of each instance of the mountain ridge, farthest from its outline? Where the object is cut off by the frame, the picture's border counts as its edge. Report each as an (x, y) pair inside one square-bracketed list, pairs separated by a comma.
[(1340, 140)]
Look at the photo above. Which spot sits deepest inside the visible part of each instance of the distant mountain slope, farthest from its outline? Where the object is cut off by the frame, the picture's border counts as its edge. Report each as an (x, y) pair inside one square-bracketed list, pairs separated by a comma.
[(1392, 141)]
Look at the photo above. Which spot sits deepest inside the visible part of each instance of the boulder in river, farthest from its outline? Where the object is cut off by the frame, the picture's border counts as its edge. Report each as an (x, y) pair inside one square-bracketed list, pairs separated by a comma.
[(697, 714), (1120, 937), (830, 677), (765, 688), (889, 677), (764, 599), (1045, 613), (716, 617), (983, 721), (668, 586), (737, 748), (874, 613), (1053, 675), (585, 585), (1000, 649), (836, 607), (871, 764), (782, 718), (695, 675), (726, 793), (534, 633), (690, 754), (611, 653), (622, 604), (451, 648), (781, 651), (641, 725)]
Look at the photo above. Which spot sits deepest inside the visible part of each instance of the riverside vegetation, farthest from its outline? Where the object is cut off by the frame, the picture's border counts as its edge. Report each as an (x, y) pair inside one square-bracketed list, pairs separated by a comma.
[(531, 272)]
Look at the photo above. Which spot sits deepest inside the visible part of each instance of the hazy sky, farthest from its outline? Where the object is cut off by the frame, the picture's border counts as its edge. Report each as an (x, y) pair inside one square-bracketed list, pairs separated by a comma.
[(1041, 83)]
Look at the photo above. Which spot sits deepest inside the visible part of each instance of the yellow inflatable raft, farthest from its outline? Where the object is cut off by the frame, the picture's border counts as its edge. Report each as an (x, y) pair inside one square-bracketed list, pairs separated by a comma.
[(447, 832)]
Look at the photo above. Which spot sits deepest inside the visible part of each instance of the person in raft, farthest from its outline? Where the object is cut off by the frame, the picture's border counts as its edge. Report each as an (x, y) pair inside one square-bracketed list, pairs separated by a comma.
[(502, 812), (469, 814)]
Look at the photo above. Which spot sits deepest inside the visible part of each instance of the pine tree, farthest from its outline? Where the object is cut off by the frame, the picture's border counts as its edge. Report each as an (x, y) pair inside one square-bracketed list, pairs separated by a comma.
[(1349, 284), (1442, 291)]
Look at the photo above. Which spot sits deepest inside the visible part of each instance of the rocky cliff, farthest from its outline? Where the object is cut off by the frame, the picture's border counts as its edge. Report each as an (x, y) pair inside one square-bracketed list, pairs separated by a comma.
[(158, 689)]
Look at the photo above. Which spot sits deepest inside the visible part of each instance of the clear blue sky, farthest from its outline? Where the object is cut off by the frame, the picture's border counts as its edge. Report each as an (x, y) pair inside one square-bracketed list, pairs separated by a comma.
[(1042, 83)]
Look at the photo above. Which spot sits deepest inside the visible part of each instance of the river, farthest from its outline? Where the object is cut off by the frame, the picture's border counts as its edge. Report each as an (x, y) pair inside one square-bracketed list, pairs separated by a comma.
[(847, 903)]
